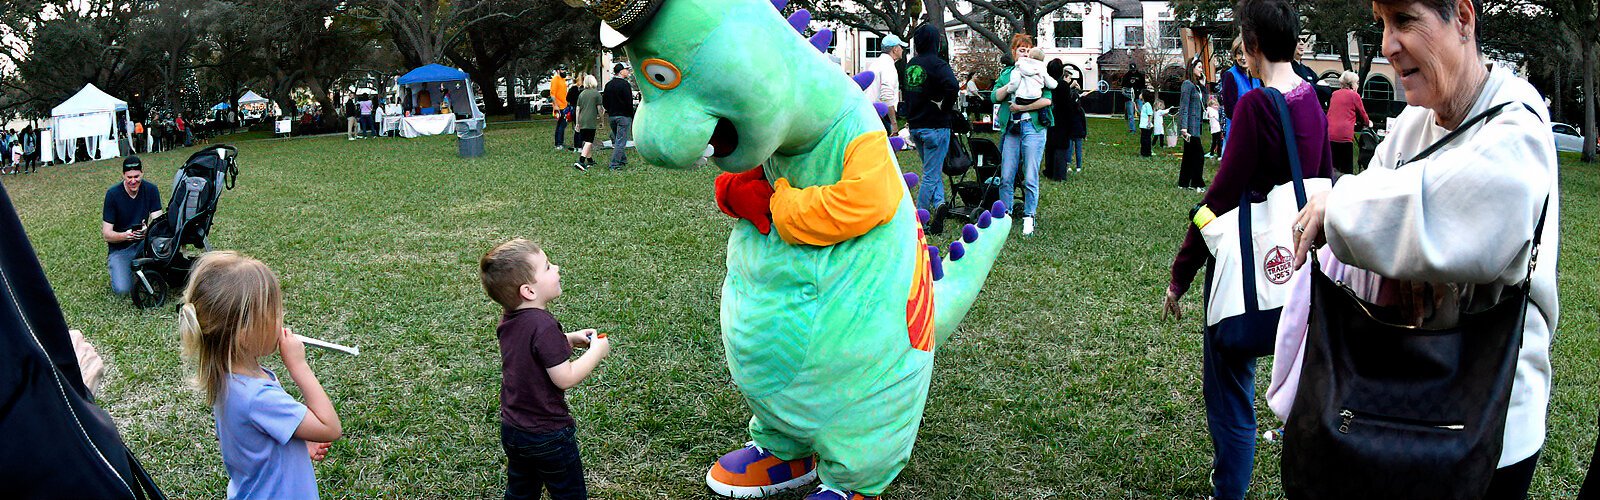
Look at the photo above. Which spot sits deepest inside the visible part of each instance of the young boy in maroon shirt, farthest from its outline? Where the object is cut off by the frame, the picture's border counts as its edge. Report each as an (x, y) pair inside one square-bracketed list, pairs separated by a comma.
[(536, 430)]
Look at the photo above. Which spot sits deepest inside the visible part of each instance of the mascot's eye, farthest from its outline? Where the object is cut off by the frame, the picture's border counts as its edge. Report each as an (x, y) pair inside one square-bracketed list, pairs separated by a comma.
[(662, 74)]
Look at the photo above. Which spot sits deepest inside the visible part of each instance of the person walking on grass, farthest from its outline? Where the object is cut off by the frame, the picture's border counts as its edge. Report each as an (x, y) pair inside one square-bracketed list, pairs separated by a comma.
[(618, 102), (1147, 118), (1064, 142), (1345, 114), (368, 128), (588, 120), (558, 107), (352, 115), (1191, 116), (930, 92), (1256, 160), (1214, 126), (885, 86)]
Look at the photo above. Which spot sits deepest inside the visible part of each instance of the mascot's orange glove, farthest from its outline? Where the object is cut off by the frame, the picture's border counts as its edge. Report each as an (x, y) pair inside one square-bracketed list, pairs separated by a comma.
[(746, 196)]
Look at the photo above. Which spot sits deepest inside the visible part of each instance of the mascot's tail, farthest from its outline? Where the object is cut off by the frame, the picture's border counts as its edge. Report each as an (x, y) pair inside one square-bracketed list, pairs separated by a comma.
[(958, 277)]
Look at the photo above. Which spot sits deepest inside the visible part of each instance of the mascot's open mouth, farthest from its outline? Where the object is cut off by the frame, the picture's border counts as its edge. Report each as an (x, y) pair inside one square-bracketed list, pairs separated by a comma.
[(724, 139)]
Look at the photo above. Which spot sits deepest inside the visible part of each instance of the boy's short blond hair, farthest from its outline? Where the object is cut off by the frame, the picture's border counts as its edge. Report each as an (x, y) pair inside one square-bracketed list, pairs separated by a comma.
[(1036, 53), (505, 268)]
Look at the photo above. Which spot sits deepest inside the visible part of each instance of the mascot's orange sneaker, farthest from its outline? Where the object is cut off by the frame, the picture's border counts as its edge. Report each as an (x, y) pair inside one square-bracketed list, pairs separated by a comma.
[(753, 472), (826, 493)]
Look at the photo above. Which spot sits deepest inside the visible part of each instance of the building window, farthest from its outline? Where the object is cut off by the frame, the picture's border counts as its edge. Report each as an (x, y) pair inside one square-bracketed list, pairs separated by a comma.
[(1069, 34), (1171, 38), (874, 47), (1378, 87), (1133, 36)]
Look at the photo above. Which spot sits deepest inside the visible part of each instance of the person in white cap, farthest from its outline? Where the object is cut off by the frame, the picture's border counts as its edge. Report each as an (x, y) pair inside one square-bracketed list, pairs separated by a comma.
[(886, 79)]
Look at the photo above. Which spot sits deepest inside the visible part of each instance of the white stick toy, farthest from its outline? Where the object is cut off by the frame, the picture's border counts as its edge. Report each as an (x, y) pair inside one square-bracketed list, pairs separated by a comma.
[(353, 351)]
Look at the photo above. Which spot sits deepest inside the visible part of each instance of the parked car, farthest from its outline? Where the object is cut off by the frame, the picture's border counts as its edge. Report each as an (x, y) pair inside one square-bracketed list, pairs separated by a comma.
[(1567, 137), (541, 106)]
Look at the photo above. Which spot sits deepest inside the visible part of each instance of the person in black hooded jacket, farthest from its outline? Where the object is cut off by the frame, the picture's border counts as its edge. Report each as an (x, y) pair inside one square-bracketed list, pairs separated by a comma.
[(930, 92)]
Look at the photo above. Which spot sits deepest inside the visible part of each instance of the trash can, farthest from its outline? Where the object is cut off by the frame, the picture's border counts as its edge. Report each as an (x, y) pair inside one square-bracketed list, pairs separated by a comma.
[(469, 143)]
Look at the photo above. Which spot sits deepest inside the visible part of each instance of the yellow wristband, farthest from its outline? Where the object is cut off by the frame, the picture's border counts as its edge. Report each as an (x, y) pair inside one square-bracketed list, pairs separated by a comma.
[(1203, 216)]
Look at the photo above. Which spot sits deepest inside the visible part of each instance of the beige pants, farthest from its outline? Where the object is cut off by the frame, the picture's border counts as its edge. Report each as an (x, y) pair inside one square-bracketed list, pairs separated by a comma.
[(350, 129)]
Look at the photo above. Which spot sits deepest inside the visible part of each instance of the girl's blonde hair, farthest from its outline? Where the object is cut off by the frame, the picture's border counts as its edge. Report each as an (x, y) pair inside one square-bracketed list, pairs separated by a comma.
[(232, 308)]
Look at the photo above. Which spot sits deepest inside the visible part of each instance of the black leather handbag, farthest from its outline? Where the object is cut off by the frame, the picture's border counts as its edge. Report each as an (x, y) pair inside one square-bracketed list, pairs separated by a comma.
[(1386, 410)]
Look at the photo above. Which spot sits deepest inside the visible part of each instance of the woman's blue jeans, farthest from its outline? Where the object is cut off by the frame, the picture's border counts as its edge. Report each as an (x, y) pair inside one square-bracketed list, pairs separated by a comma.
[(1022, 145)]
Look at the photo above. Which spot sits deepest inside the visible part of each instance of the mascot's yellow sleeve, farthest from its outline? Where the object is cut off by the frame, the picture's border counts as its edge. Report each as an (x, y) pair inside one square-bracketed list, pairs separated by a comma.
[(866, 196)]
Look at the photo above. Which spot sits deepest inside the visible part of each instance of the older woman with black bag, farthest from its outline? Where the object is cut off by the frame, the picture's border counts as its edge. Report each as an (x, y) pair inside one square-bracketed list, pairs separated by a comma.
[(1438, 386)]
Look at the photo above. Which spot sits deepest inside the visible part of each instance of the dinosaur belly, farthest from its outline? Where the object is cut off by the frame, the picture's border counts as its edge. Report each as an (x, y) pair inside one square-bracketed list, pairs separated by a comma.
[(831, 321)]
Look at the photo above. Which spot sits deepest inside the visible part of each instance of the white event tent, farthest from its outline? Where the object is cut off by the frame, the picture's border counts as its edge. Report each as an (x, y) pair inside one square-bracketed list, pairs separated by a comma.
[(90, 115)]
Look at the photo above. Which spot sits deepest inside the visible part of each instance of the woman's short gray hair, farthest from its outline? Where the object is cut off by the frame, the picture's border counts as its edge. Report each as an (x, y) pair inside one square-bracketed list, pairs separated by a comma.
[(589, 81), (1349, 79), (1447, 11)]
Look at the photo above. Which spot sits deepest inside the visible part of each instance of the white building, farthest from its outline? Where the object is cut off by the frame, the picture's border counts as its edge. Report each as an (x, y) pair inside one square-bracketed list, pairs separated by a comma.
[(1097, 39)]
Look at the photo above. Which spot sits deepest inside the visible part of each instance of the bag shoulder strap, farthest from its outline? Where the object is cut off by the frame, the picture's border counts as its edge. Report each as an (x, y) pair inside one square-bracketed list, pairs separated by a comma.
[(1289, 143), (1538, 229), (1454, 134)]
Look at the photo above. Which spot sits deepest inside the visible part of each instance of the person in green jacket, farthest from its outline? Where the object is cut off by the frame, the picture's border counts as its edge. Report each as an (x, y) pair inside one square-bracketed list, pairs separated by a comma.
[(1021, 143), (588, 121)]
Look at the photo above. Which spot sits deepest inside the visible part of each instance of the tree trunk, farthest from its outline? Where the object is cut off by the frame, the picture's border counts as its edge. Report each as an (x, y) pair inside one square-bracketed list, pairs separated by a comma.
[(320, 92), (1559, 75), (1589, 132), (933, 11), (492, 104)]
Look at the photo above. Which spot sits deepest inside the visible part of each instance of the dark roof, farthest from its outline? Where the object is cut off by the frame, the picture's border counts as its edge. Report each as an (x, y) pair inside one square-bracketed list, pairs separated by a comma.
[(1125, 8)]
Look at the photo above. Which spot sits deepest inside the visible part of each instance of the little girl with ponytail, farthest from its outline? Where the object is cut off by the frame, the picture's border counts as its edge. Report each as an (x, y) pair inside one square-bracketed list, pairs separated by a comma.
[(232, 316)]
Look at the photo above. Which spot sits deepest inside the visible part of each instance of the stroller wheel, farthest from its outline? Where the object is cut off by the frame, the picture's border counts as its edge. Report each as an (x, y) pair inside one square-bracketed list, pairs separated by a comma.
[(153, 297)]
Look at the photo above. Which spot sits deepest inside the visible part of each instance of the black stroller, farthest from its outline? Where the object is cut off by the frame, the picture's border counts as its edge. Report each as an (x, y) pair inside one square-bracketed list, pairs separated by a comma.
[(1367, 144), (161, 264), (971, 195)]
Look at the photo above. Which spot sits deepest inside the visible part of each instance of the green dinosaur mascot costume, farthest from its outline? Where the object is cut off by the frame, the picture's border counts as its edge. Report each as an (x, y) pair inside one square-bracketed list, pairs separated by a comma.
[(833, 305)]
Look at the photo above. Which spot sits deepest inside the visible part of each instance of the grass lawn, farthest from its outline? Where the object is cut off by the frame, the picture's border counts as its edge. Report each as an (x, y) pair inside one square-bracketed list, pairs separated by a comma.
[(1063, 382)]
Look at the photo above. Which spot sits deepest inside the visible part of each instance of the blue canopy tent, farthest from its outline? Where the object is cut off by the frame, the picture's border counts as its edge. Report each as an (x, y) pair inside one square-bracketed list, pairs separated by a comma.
[(221, 106), (439, 82)]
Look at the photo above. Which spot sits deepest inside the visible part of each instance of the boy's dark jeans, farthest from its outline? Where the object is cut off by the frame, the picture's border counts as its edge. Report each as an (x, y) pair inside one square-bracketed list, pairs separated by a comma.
[(549, 461)]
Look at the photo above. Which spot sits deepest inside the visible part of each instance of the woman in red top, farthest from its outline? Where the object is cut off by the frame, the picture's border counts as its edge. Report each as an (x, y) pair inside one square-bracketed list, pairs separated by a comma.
[(1344, 111)]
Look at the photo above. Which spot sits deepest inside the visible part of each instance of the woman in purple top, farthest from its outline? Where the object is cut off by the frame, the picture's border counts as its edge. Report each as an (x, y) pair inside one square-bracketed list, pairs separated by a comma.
[(1255, 160)]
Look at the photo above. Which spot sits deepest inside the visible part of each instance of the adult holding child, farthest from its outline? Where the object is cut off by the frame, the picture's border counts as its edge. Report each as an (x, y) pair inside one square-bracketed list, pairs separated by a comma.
[(1450, 214), (122, 222), (1022, 140), (1255, 161)]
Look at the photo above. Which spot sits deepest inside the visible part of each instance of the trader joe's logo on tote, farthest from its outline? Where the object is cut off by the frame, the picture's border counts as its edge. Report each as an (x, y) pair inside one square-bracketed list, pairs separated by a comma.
[(1279, 265)]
